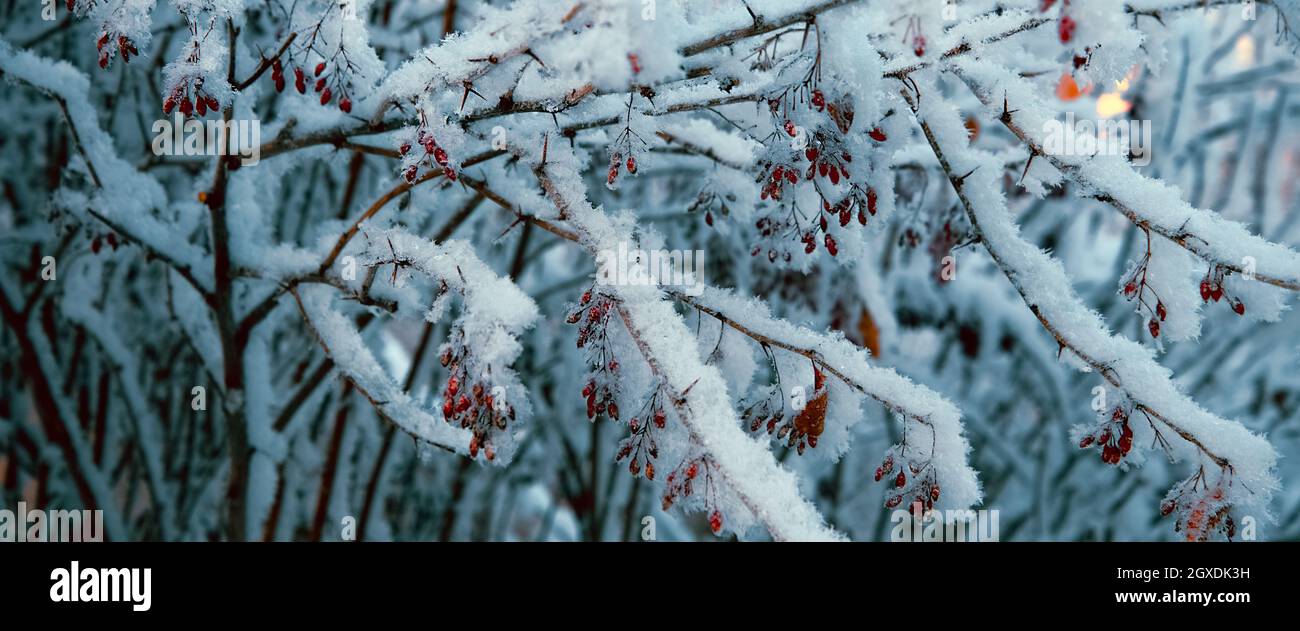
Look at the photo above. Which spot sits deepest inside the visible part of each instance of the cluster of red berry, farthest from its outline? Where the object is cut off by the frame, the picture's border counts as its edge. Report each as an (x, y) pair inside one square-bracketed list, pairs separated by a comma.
[(763, 413), (592, 317), (641, 444), (708, 200), (1212, 289), (1136, 287), (180, 98), (1202, 510), (433, 154), (777, 176), (475, 408), (616, 162), (622, 144), (321, 85), (125, 47), (827, 160), (97, 242), (681, 482), (921, 486), (800, 430), (1114, 437)]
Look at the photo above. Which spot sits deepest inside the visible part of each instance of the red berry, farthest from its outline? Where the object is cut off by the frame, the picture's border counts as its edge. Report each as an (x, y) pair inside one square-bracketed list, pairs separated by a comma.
[(1205, 291), (789, 128), (900, 480), (200, 106), (871, 201), (169, 104), (186, 106), (320, 67), (1239, 307), (1154, 327), (830, 245), (345, 104), (715, 522), (1066, 29), (320, 84), (279, 83), (1110, 454), (1160, 310), (877, 135), (1130, 288), (692, 471), (325, 96), (631, 165), (708, 217), (810, 153)]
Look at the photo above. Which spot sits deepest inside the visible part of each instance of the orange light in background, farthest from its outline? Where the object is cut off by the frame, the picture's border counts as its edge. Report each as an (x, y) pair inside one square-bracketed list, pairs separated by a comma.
[(1243, 53), (1113, 103)]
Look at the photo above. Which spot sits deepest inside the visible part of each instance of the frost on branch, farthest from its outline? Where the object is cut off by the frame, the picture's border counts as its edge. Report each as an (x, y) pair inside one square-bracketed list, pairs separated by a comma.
[(1242, 462)]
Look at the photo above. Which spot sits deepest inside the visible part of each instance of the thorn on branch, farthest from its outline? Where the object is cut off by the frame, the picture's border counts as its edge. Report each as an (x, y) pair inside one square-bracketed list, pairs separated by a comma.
[(1032, 155), (469, 89), (1006, 111), (958, 182)]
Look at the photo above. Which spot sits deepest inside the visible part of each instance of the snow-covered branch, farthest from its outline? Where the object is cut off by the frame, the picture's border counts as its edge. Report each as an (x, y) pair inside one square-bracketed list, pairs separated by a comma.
[(1148, 203), (1242, 462)]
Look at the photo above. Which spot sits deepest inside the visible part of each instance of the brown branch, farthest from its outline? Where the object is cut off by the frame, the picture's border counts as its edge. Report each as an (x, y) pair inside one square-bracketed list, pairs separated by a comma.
[(266, 63), (762, 26)]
